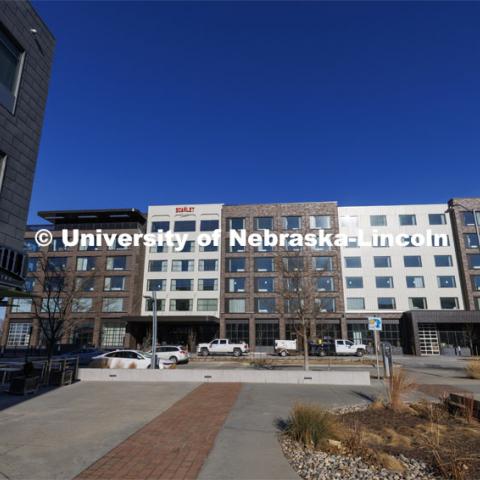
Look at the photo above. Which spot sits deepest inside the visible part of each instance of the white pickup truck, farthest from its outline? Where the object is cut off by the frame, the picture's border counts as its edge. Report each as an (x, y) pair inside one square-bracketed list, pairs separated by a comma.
[(222, 346), (342, 347)]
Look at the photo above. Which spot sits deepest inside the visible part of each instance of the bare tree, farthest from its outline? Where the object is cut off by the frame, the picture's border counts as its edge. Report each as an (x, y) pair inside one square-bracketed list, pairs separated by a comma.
[(56, 297)]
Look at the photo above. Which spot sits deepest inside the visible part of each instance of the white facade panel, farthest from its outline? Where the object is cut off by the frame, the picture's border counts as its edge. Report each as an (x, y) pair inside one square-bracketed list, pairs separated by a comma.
[(207, 298), (355, 221)]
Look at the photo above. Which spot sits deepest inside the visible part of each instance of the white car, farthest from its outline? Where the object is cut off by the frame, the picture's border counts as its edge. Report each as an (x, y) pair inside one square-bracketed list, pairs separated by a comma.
[(172, 353), (128, 359)]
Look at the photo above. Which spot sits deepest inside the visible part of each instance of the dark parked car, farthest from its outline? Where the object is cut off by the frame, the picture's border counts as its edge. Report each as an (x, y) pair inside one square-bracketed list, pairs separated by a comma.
[(84, 355)]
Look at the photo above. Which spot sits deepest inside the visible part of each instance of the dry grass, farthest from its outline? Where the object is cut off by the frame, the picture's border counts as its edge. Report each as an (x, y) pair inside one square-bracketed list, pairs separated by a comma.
[(473, 369), (262, 362), (311, 425), (398, 385)]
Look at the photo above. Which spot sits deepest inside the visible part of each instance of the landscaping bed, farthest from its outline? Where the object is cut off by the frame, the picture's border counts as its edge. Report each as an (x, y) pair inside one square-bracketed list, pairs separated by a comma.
[(417, 441)]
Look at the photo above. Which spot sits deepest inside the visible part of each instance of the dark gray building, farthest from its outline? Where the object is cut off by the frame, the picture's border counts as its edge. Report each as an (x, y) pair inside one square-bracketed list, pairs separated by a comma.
[(26, 53)]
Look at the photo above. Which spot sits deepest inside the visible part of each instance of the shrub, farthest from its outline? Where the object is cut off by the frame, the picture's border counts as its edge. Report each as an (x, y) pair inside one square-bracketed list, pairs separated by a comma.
[(473, 369), (398, 385), (262, 362), (311, 425)]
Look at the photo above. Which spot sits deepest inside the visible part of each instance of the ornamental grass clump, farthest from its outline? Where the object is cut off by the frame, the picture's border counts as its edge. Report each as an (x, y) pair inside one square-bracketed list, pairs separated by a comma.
[(311, 425)]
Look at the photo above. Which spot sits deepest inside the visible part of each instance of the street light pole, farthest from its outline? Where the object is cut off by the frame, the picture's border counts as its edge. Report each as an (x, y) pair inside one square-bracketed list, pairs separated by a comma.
[(154, 329)]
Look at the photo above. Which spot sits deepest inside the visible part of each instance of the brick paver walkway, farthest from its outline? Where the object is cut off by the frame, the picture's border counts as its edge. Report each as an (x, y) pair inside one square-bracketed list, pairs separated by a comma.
[(175, 444)]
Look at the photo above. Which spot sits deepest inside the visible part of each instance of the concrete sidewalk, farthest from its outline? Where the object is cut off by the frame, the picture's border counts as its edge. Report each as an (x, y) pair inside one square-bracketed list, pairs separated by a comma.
[(58, 434), (247, 446)]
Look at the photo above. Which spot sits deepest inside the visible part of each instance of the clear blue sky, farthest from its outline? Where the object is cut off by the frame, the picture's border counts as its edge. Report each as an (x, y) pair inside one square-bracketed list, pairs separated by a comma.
[(176, 103)]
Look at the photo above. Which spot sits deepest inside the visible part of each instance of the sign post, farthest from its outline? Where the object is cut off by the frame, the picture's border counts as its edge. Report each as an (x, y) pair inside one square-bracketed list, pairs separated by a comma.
[(375, 325)]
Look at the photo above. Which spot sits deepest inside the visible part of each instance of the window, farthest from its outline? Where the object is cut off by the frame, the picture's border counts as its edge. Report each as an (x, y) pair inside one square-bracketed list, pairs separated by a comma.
[(264, 264), (236, 223), (187, 248), (265, 305), (355, 303), (56, 264), (84, 284), (29, 284), (440, 240), (390, 333), (159, 249), (57, 245), (414, 261), (437, 219), (236, 264), (208, 248), (113, 305), (88, 247), (443, 261), (3, 167), (264, 284), (325, 284), (207, 304), (30, 246), (207, 265), (160, 305), (446, 281), (114, 284), (325, 304), (53, 284), (327, 330), (448, 303), (208, 284), (291, 245), (474, 261), (417, 303), (182, 265), (477, 303), (386, 303), (349, 221), (116, 263), (181, 305), (11, 61), (266, 331), (292, 223), (234, 285), (352, 242), (378, 220), (21, 305), (384, 282), (293, 264), (116, 246), (471, 240), (163, 226), (235, 305), (19, 333), (354, 282), (322, 264), (181, 284), (32, 264), (236, 247), (81, 305), (208, 225), (156, 285), (291, 305), (321, 221), (415, 282), (353, 262), (237, 330), (82, 334), (476, 282), (382, 262), (51, 305), (85, 264), (184, 226), (264, 223), (263, 248), (113, 334), (469, 219), (407, 220), (157, 266)]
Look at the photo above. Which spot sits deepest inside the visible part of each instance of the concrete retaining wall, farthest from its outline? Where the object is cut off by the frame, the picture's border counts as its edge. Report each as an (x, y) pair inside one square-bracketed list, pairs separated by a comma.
[(237, 375)]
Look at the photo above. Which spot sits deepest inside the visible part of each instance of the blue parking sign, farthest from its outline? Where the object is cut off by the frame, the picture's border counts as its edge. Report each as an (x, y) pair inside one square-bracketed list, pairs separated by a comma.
[(375, 323)]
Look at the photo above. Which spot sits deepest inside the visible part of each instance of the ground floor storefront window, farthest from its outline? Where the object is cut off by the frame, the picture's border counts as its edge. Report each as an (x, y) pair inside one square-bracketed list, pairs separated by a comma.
[(359, 333), (19, 334), (237, 330), (326, 330), (113, 334), (82, 335), (266, 332)]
